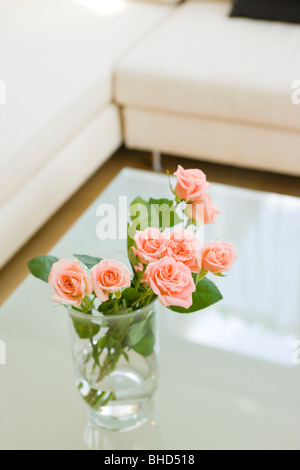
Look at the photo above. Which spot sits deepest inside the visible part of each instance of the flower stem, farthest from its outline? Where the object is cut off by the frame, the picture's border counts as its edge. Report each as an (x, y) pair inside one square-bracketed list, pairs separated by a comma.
[(141, 275), (110, 361), (143, 297)]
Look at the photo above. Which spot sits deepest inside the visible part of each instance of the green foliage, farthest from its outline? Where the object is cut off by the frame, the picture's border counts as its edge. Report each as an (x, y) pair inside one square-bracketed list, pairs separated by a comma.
[(141, 336), (136, 332), (131, 256), (156, 213), (122, 336), (40, 267), (163, 213), (139, 213), (88, 261), (107, 306), (85, 329), (206, 294), (130, 295), (219, 274), (146, 346)]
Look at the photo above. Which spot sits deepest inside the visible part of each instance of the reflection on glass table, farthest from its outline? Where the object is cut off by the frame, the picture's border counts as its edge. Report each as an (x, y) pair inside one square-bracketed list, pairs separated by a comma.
[(227, 375), (145, 438)]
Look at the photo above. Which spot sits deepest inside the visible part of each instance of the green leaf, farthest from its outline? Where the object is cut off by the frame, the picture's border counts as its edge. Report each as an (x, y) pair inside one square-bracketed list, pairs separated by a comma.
[(126, 356), (163, 214), (131, 243), (219, 274), (85, 329), (201, 275), (119, 329), (106, 306), (156, 213), (206, 294), (160, 202), (40, 267), (130, 295), (146, 346), (143, 335), (139, 209), (152, 323), (138, 200), (88, 261), (136, 333)]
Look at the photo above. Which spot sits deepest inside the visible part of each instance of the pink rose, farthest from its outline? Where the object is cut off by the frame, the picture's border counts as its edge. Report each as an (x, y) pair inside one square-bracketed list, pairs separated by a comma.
[(108, 277), (218, 257), (191, 184), (151, 245), (172, 281), (184, 247), (202, 211), (70, 283)]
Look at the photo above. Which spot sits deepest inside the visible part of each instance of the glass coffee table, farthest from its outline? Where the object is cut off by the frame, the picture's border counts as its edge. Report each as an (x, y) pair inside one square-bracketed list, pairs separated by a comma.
[(229, 376)]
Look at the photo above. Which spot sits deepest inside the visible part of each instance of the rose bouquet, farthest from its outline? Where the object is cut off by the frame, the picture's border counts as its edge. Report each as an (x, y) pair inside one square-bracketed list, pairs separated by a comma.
[(168, 262)]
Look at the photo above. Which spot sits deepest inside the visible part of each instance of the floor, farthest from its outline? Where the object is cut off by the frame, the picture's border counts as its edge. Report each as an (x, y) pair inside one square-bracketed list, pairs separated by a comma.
[(16, 270)]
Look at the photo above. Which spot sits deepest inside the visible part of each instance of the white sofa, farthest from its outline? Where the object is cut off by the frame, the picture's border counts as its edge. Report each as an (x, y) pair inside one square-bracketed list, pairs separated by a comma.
[(185, 78), (208, 86), (60, 122)]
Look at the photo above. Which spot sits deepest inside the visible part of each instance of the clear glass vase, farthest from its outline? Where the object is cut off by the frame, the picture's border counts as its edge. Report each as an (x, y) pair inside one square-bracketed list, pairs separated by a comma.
[(116, 363)]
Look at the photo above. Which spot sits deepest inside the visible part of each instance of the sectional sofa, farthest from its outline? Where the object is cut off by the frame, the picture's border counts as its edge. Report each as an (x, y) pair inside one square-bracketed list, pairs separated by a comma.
[(83, 76)]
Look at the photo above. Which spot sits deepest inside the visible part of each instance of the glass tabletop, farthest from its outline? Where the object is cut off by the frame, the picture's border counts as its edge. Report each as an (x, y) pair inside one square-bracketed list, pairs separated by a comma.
[(229, 376)]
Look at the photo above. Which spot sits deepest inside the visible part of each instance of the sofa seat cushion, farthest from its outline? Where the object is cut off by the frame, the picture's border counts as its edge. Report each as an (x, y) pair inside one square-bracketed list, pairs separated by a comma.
[(57, 58), (201, 62)]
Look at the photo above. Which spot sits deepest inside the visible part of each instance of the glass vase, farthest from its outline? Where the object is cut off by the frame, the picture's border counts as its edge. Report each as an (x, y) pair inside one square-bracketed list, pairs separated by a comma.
[(116, 364)]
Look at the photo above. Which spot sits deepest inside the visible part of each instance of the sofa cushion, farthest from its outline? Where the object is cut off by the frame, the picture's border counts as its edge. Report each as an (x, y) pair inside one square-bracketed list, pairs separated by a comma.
[(227, 142), (200, 62), (274, 10), (57, 58)]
